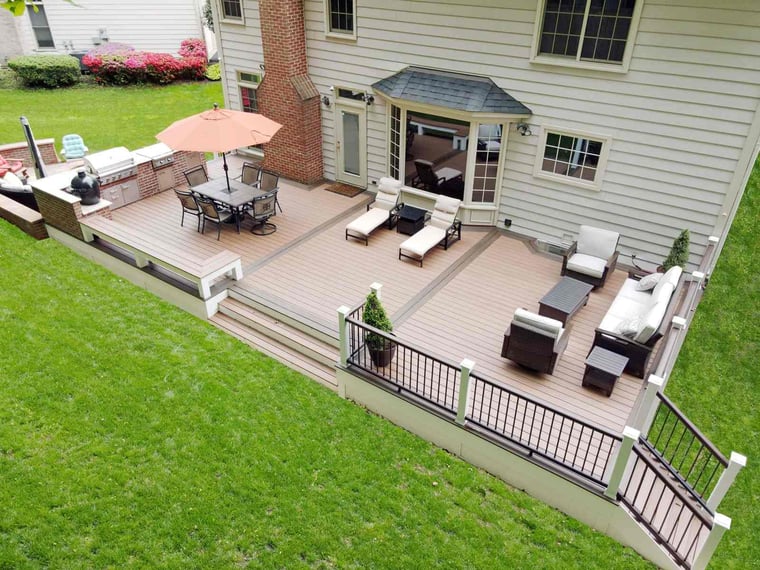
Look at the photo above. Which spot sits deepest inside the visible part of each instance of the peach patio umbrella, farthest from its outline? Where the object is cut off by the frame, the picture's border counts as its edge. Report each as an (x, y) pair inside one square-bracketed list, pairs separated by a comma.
[(219, 130)]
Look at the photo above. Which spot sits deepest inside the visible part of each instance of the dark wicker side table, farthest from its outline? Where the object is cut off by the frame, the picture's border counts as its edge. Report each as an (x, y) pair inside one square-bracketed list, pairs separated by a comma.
[(603, 368), (410, 220)]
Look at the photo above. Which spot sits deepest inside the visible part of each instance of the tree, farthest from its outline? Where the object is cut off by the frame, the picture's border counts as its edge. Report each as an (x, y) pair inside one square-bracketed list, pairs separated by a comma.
[(679, 252), (208, 15), (18, 7)]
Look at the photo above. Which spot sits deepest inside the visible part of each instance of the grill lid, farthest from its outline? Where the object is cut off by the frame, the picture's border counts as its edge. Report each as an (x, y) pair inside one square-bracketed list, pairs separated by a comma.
[(155, 151), (109, 161)]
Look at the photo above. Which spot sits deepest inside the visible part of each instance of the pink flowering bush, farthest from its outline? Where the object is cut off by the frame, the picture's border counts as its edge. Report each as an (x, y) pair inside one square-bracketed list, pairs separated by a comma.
[(119, 64)]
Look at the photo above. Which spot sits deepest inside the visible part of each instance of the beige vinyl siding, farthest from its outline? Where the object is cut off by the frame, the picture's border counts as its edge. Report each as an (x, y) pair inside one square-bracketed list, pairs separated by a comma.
[(242, 50), (678, 119), (144, 24)]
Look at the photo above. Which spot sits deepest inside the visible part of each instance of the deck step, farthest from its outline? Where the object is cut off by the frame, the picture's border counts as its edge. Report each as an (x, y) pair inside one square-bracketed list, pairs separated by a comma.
[(322, 373)]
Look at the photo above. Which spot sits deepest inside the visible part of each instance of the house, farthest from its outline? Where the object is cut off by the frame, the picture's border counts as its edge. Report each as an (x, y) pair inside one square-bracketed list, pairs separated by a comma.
[(57, 26), (641, 116)]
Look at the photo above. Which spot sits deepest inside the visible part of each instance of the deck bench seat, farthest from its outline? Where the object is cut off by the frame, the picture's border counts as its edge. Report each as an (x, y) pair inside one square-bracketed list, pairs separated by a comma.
[(639, 317), (191, 266)]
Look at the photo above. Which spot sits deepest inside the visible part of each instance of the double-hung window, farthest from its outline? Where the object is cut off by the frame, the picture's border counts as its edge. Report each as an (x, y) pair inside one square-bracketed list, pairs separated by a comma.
[(340, 18), (588, 33), (40, 26), (232, 11), (248, 84), (573, 157)]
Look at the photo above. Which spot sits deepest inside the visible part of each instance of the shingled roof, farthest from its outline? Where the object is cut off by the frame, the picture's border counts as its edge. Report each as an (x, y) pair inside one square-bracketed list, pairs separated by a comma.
[(458, 91)]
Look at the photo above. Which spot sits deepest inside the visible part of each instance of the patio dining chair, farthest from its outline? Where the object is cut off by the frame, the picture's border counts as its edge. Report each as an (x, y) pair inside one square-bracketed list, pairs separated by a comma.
[(196, 175), (446, 181), (212, 212), (250, 174), (73, 147), (262, 208), (189, 206), (269, 181)]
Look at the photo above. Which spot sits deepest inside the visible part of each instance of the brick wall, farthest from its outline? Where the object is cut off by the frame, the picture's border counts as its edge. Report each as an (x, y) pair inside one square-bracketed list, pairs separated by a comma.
[(147, 178), (28, 220), (59, 213), (20, 151), (296, 150)]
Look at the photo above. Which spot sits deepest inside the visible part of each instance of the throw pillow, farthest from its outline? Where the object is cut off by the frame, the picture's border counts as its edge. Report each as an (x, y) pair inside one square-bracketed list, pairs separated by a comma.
[(628, 327), (648, 281)]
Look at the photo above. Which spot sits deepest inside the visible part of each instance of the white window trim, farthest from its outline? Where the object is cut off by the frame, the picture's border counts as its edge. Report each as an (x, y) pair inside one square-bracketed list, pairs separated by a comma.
[(613, 67), (351, 36), (601, 166), (229, 20)]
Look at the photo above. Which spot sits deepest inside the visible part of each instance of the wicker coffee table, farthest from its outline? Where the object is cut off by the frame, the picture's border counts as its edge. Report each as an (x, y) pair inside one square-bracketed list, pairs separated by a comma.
[(565, 299)]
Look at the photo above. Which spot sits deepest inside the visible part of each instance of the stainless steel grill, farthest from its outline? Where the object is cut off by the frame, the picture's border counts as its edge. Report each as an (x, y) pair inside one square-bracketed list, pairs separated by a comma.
[(159, 155), (111, 165)]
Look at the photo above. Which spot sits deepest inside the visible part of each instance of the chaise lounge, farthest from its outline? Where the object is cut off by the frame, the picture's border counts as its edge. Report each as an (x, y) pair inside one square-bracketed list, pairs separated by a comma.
[(441, 229), (384, 210)]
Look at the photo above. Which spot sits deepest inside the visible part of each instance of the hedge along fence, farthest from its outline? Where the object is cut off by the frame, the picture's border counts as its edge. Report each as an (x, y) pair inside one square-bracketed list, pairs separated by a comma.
[(49, 71), (120, 64)]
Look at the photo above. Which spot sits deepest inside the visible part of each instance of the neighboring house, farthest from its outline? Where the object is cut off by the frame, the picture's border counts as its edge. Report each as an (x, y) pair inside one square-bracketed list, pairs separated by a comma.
[(56, 26), (640, 116)]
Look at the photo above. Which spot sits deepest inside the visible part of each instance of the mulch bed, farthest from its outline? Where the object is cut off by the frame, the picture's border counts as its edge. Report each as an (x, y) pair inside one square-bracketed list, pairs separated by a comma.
[(345, 189)]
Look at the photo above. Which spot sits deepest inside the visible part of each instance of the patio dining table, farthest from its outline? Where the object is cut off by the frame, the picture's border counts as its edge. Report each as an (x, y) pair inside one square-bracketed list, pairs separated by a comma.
[(241, 194)]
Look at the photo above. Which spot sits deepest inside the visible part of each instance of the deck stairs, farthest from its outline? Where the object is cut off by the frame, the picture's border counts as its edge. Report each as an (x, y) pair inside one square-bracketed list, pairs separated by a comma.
[(273, 332)]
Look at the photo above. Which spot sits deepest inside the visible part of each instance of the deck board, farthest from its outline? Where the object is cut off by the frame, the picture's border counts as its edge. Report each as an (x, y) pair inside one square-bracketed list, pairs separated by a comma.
[(309, 267)]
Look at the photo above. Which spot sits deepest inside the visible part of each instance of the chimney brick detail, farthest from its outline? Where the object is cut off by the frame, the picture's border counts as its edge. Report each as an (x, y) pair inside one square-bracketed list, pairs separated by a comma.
[(296, 150)]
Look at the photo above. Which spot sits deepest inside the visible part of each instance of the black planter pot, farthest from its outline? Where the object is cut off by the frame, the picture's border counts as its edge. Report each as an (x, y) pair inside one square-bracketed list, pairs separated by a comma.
[(382, 356)]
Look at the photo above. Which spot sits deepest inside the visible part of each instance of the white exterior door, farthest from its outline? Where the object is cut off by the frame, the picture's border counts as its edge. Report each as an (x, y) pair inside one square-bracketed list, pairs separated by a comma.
[(351, 143)]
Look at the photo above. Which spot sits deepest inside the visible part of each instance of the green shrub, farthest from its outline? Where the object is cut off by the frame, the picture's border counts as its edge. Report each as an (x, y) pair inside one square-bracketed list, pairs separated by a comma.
[(214, 72), (679, 252), (375, 316), (49, 71)]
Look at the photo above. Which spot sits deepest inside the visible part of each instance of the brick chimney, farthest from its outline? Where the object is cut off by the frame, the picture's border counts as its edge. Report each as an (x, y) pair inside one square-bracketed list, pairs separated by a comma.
[(296, 150)]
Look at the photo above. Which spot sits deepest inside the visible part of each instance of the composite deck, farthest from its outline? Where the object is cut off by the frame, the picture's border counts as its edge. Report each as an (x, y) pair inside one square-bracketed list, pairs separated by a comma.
[(457, 306)]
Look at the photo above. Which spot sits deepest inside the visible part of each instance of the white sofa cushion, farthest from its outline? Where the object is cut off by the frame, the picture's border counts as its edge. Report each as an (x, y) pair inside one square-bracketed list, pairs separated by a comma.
[(552, 326), (368, 222), (651, 321), (597, 242), (672, 275), (649, 281), (587, 264)]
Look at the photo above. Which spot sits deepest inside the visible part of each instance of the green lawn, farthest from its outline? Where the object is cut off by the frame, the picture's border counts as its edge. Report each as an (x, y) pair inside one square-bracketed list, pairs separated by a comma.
[(104, 116), (132, 434)]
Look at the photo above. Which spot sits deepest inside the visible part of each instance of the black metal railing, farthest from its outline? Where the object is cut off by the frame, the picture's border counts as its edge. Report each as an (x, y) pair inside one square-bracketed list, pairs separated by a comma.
[(542, 430), (431, 379), (676, 521), (691, 456)]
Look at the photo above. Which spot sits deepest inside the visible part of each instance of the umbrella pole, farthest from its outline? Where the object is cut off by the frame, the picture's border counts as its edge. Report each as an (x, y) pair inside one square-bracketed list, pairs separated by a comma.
[(226, 173)]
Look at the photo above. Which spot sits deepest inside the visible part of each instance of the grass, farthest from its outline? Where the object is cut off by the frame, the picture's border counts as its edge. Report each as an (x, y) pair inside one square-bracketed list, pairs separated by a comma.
[(135, 435), (716, 381), (104, 116), (126, 442)]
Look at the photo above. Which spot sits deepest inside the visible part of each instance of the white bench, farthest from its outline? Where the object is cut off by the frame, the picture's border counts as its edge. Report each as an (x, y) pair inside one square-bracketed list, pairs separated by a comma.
[(199, 270)]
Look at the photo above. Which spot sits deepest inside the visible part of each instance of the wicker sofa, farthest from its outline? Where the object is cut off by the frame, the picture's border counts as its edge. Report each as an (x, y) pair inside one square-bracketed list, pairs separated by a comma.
[(639, 316)]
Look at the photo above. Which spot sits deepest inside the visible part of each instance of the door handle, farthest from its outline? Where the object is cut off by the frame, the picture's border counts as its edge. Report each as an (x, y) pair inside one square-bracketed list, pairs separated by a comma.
[(338, 144)]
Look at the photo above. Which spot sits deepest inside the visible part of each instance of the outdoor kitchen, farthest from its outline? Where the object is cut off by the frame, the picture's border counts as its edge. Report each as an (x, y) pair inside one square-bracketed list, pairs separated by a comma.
[(120, 177)]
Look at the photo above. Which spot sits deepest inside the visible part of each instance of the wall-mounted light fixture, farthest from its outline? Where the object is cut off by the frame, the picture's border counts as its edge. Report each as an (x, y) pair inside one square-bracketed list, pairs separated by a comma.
[(325, 100), (524, 129), (368, 99)]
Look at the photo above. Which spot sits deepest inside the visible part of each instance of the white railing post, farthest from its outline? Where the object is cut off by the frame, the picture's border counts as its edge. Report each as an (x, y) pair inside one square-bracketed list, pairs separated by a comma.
[(377, 288), (343, 334), (644, 416), (721, 524), (465, 368), (630, 436), (735, 464)]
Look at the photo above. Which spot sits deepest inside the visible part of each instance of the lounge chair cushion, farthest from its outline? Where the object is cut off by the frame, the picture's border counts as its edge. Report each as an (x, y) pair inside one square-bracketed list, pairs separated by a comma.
[(587, 264), (423, 241), (387, 193), (648, 281), (368, 222), (597, 242), (552, 326), (11, 181), (445, 212)]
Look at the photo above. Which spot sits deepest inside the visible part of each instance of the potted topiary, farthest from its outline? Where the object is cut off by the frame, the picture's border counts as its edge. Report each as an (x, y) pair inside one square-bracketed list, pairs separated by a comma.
[(381, 350), (679, 252)]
